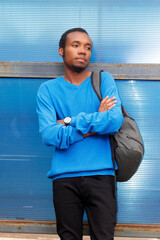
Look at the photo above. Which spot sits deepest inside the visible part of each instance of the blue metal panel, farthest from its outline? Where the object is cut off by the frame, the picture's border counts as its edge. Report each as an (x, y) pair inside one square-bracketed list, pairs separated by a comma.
[(139, 198), (25, 192), (122, 31)]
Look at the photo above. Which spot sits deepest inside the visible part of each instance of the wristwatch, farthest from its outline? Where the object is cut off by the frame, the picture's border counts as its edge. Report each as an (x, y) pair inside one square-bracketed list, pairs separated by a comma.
[(67, 121)]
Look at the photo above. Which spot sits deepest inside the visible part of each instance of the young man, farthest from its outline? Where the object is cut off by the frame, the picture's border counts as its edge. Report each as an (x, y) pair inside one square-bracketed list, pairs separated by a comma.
[(73, 120)]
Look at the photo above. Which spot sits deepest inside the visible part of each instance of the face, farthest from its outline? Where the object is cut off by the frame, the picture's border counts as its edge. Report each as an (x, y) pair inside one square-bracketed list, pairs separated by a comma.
[(77, 52)]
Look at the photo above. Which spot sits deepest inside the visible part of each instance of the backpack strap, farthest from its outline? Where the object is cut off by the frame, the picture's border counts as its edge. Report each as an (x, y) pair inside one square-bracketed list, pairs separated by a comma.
[(114, 165), (96, 84)]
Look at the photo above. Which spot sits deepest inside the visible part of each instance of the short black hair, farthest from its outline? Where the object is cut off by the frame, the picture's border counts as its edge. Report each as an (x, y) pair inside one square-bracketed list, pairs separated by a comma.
[(62, 41)]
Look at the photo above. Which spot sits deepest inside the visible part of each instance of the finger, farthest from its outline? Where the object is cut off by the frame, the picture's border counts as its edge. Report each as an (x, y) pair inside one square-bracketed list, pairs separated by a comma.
[(111, 106), (110, 99), (108, 104), (111, 103), (104, 99)]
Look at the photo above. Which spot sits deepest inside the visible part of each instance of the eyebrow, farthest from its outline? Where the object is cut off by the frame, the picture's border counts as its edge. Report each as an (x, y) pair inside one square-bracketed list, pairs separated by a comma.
[(75, 41)]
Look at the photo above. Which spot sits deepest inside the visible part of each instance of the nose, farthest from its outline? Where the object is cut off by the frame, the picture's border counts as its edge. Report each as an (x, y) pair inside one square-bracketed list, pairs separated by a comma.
[(82, 50)]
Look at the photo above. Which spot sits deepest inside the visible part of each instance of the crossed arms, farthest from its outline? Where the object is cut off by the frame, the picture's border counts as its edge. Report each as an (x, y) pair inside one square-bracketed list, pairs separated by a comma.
[(107, 120), (106, 104)]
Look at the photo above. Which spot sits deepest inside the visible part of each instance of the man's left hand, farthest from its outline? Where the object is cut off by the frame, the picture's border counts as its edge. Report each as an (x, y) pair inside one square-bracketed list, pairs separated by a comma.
[(61, 121)]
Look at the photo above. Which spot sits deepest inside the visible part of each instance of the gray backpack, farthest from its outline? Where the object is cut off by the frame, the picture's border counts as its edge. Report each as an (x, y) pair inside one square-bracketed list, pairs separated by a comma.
[(126, 145)]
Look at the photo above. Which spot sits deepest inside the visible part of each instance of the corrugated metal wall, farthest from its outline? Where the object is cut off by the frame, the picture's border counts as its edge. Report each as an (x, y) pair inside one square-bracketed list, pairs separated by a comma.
[(122, 32), (139, 198)]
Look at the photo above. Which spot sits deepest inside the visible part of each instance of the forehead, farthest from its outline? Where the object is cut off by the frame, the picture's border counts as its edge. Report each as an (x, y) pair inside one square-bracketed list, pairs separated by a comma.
[(79, 37)]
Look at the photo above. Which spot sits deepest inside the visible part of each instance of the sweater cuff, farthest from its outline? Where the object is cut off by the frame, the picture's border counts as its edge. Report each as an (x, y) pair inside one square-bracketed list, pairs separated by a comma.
[(73, 121), (76, 135)]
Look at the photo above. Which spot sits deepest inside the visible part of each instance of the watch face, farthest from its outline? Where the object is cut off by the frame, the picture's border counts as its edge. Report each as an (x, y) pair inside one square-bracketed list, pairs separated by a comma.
[(67, 120)]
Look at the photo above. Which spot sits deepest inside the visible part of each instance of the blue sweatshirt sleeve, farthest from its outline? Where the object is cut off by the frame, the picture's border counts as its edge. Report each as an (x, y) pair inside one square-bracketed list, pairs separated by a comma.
[(107, 122), (53, 134)]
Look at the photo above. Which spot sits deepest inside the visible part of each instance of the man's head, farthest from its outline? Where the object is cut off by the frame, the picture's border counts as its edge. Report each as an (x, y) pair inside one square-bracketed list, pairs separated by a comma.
[(62, 41), (75, 47)]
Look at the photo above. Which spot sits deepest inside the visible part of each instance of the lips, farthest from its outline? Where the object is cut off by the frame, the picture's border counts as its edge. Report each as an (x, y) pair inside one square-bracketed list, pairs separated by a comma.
[(81, 59)]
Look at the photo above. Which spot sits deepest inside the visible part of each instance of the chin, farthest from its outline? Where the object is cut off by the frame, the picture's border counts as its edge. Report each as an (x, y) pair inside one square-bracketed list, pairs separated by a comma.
[(78, 69)]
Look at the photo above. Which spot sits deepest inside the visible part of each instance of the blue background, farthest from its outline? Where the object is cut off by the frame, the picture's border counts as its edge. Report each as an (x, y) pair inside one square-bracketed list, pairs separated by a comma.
[(122, 32)]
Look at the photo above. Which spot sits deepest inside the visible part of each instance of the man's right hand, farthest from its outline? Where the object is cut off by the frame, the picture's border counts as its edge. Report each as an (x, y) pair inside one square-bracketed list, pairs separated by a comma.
[(107, 103)]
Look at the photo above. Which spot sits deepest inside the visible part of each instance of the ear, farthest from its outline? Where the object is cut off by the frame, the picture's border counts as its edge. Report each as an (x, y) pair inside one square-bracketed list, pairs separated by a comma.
[(60, 51)]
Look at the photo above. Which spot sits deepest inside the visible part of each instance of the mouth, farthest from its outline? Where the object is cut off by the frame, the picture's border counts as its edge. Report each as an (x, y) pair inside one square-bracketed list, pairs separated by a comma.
[(81, 59)]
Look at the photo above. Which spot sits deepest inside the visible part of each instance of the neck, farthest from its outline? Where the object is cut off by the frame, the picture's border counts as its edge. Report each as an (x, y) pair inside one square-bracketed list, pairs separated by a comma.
[(76, 78)]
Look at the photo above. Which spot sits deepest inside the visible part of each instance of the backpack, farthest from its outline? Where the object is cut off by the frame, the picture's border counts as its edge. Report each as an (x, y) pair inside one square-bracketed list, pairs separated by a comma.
[(126, 145)]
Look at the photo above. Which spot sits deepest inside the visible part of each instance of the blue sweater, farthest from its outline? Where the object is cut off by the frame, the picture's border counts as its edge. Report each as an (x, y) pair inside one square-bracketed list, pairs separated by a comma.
[(74, 155)]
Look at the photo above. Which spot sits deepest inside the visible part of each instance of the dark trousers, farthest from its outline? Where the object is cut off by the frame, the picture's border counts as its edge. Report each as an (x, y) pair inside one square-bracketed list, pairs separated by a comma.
[(95, 195)]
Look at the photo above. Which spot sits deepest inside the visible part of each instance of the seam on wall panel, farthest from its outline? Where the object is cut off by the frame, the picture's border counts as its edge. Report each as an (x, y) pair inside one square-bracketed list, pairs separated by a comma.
[(41, 227), (53, 70)]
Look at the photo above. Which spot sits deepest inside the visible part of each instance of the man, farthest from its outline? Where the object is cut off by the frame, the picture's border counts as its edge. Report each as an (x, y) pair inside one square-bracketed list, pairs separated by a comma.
[(74, 121)]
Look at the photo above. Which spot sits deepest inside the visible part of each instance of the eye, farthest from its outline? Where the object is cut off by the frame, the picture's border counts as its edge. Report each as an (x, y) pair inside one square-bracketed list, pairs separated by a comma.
[(88, 48), (75, 45)]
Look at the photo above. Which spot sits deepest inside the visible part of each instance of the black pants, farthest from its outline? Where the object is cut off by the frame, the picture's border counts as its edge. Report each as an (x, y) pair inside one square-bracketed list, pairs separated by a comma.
[(95, 194)]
